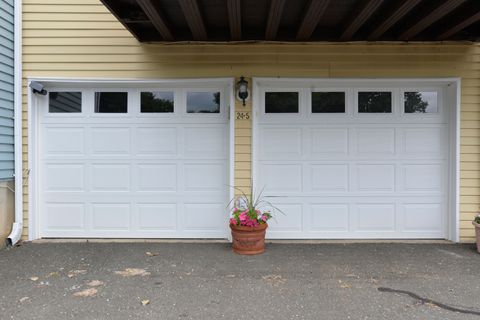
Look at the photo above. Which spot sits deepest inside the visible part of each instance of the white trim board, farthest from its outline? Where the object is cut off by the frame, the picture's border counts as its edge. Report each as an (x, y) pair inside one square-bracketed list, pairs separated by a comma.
[(453, 98), (57, 83), (231, 116)]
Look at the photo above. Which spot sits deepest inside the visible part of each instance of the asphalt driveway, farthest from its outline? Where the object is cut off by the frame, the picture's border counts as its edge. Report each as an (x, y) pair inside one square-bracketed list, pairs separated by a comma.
[(208, 281)]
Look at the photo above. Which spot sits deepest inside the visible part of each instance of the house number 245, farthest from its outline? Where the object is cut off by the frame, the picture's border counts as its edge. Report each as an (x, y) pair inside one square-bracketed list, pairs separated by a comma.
[(243, 115)]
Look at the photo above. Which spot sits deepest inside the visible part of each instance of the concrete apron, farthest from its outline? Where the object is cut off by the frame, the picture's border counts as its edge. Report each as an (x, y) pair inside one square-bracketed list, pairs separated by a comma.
[(313, 241)]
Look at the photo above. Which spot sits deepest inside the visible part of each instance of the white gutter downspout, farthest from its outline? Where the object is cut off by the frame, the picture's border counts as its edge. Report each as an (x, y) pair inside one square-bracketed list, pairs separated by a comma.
[(17, 227)]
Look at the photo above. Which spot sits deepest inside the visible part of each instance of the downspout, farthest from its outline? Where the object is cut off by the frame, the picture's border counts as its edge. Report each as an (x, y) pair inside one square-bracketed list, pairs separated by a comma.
[(17, 227)]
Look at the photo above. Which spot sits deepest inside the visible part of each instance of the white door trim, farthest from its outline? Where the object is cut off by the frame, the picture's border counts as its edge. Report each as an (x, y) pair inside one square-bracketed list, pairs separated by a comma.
[(33, 129), (452, 231)]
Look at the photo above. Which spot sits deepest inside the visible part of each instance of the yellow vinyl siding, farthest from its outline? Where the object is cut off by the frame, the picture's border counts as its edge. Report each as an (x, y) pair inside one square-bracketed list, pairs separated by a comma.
[(243, 146), (81, 39)]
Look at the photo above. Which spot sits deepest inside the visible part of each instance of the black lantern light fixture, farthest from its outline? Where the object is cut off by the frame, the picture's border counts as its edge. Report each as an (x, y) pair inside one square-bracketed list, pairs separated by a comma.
[(242, 90)]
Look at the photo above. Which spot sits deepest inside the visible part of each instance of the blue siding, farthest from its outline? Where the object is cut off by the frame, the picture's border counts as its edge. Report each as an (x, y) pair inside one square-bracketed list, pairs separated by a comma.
[(6, 89)]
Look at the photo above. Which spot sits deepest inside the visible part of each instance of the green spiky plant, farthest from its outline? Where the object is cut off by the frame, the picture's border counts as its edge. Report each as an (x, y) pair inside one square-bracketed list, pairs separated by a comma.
[(477, 219), (251, 209)]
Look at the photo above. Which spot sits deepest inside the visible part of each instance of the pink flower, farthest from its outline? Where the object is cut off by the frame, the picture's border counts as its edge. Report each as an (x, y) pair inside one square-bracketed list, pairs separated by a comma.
[(233, 221), (243, 216), (264, 218)]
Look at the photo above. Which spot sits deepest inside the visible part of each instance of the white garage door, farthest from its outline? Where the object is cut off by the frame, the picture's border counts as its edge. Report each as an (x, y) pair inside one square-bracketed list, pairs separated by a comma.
[(354, 161), (150, 162)]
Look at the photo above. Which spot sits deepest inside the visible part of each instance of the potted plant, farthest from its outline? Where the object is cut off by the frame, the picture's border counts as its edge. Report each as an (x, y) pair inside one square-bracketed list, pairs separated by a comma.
[(476, 223), (248, 223)]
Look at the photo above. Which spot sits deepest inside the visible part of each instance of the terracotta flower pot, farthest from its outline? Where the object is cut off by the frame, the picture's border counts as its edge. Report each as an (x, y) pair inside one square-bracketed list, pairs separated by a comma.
[(248, 240), (477, 233)]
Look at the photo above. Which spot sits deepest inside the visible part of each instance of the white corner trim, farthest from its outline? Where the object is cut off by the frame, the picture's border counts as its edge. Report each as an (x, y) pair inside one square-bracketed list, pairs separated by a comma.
[(231, 180), (255, 110), (455, 226), (17, 228), (33, 227)]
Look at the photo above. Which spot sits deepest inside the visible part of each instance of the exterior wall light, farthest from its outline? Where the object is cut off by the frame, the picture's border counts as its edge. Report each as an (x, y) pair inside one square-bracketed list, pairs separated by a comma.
[(242, 90), (37, 87)]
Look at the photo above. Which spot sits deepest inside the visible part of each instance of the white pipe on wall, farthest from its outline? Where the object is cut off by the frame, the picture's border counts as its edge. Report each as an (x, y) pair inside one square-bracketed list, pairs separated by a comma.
[(17, 227)]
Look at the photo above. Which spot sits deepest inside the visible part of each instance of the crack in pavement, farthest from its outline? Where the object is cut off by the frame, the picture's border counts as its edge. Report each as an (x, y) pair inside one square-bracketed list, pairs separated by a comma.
[(430, 301)]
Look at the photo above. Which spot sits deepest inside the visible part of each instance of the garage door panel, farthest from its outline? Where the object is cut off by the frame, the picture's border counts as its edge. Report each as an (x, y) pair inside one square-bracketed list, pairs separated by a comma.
[(110, 216), (375, 217), (282, 178), (204, 177), (63, 141), (375, 177), (110, 177), (329, 217), (110, 141), (290, 221), (423, 177), (422, 217), (329, 142), (329, 178), (204, 216), (375, 141), (208, 142), (64, 216), (282, 142), (157, 216), (156, 177), (156, 141), (427, 141), (357, 217), (64, 177)]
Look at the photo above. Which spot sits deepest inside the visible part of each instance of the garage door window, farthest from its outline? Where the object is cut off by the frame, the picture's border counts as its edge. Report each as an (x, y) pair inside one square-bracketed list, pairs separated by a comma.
[(156, 102), (203, 102), (111, 102), (281, 102), (65, 102), (420, 102), (328, 102), (374, 102)]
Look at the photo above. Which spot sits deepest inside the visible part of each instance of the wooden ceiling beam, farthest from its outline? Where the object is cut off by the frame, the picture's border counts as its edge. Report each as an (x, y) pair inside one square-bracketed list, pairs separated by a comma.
[(194, 19), (460, 26), (445, 20), (360, 18), (313, 15), (438, 13), (235, 19), (111, 5), (156, 18), (274, 16), (404, 8)]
